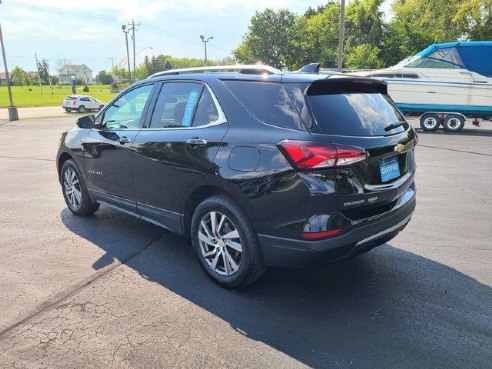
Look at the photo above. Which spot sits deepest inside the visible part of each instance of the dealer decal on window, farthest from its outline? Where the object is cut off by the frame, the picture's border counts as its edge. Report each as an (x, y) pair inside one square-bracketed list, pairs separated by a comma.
[(190, 106)]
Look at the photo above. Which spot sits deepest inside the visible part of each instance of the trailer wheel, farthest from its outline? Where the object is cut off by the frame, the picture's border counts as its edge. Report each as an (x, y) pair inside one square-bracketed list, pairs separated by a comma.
[(454, 123), (430, 122)]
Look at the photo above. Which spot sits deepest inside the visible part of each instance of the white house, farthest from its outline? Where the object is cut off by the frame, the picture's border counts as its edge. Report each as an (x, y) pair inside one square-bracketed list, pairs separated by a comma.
[(75, 71)]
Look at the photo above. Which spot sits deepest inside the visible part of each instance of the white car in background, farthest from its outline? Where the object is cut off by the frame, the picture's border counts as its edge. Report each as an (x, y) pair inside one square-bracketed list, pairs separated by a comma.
[(81, 103)]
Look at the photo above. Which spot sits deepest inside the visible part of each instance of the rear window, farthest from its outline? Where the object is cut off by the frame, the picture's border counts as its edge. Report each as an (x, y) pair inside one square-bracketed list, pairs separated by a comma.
[(71, 98), (268, 102), (355, 114)]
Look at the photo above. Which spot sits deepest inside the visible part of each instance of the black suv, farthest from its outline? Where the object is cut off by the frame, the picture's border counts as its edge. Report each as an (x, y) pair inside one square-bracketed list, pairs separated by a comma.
[(257, 167)]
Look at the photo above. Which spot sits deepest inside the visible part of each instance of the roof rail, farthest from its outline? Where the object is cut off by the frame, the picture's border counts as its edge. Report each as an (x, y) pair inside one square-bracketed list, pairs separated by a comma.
[(244, 69)]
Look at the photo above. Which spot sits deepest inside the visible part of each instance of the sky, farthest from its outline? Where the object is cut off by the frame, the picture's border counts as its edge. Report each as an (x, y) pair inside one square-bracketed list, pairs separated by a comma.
[(89, 31)]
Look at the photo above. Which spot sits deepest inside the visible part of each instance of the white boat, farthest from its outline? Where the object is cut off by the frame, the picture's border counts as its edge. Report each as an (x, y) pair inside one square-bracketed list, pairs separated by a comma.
[(444, 78)]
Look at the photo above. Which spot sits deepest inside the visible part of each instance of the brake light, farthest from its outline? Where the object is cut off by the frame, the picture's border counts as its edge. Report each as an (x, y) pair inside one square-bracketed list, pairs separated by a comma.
[(313, 155), (74, 102), (321, 234)]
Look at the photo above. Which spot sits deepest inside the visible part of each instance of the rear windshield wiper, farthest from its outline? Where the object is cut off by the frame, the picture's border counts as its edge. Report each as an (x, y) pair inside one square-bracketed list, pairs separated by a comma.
[(395, 125)]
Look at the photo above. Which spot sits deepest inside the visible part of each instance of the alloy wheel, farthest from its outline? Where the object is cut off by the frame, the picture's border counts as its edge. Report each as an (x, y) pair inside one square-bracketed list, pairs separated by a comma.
[(71, 186), (220, 243)]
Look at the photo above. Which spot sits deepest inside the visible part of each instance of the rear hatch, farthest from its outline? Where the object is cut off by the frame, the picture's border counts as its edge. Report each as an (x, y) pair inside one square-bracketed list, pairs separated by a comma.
[(357, 112)]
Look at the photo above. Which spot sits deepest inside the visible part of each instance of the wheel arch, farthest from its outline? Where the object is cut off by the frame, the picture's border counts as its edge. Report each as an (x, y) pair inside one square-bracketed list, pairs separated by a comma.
[(203, 191), (62, 158)]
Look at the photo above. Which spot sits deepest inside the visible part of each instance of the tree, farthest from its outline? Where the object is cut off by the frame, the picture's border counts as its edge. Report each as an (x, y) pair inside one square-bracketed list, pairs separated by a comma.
[(363, 56), (141, 72), (473, 19), (268, 39), (18, 76), (104, 78), (316, 37), (44, 71), (364, 23)]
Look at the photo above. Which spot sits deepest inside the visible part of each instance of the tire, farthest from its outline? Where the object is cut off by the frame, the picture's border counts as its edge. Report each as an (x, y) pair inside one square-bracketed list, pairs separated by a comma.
[(81, 109), (100, 108), (68, 110), (430, 122), (454, 123), (244, 260), (75, 191)]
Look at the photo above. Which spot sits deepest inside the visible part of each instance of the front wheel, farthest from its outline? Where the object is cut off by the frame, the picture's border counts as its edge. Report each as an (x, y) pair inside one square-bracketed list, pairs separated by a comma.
[(225, 243), (74, 190)]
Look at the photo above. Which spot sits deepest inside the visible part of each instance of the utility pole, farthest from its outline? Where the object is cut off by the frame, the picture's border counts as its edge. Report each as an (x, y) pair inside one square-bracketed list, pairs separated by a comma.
[(205, 40), (13, 114), (341, 35), (39, 73), (133, 37), (125, 31)]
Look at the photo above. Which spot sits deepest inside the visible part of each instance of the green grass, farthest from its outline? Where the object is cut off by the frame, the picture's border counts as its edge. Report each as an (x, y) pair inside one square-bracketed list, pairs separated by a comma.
[(50, 97)]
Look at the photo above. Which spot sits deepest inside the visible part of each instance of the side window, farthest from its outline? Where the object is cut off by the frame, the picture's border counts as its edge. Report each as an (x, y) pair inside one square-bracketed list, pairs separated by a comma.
[(206, 111), (176, 105), (125, 113), (84, 99), (268, 102)]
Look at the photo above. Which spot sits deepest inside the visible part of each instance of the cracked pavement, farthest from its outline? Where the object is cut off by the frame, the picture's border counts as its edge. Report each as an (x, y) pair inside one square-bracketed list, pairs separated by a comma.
[(115, 292)]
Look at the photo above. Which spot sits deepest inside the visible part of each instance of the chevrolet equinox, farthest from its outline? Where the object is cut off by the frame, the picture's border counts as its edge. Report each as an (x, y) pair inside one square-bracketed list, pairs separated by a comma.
[(257, 167)]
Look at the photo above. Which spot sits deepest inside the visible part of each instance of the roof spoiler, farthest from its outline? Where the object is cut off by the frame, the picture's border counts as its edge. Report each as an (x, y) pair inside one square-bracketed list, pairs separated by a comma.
[(340, 85)]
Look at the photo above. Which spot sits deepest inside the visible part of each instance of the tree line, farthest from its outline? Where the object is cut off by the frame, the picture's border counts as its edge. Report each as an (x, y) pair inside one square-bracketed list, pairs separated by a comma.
[(284, 39)]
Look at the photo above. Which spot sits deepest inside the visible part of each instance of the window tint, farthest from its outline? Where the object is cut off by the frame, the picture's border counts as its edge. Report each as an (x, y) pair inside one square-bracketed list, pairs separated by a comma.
[(355, 114), (127, 110), (206, 111), (176, 105), (268, 102)]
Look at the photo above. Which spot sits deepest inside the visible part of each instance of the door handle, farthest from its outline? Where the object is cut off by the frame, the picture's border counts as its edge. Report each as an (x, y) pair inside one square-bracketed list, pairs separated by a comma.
[(195, 141), (124, 140)]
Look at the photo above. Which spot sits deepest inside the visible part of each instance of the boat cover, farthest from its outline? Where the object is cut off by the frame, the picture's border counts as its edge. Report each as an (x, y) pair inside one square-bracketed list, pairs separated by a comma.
[(472, 55)]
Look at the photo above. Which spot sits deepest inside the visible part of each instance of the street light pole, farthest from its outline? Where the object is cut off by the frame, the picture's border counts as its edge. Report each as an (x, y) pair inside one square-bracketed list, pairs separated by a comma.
[(205, 40), (133, 25), (13, 114), (341, 35), (125, 31)]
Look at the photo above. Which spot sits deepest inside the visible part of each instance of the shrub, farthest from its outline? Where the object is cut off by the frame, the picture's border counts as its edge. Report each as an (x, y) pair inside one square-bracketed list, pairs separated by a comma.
[(86, 88)]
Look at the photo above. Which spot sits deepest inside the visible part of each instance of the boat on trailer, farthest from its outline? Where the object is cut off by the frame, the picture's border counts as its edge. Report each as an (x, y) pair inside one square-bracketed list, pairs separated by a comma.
[(444, 84)]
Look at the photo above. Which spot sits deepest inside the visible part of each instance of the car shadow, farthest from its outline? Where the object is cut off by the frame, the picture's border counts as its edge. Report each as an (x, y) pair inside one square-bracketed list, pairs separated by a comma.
[(387, 309)]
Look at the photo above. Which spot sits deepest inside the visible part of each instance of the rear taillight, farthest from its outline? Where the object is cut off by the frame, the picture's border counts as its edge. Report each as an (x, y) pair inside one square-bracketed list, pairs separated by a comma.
[(321, 234), (74, 102), (313, 155)]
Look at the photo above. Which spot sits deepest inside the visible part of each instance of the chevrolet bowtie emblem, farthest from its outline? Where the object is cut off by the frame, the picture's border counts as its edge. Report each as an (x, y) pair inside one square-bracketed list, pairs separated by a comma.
[(399, 148)]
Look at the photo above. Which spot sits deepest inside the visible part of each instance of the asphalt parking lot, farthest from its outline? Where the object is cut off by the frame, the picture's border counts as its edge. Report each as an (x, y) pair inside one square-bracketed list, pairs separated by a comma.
[(111, 291)]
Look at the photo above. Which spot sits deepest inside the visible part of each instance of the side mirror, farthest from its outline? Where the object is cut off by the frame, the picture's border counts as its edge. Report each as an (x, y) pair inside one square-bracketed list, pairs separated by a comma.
[(86, 121)]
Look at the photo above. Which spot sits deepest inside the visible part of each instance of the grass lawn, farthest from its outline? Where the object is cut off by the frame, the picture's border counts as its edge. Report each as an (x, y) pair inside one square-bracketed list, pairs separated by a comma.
[(50, 97)]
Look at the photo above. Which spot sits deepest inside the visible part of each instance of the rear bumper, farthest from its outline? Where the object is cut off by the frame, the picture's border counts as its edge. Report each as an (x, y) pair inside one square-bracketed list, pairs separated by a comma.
[(285, 252)]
